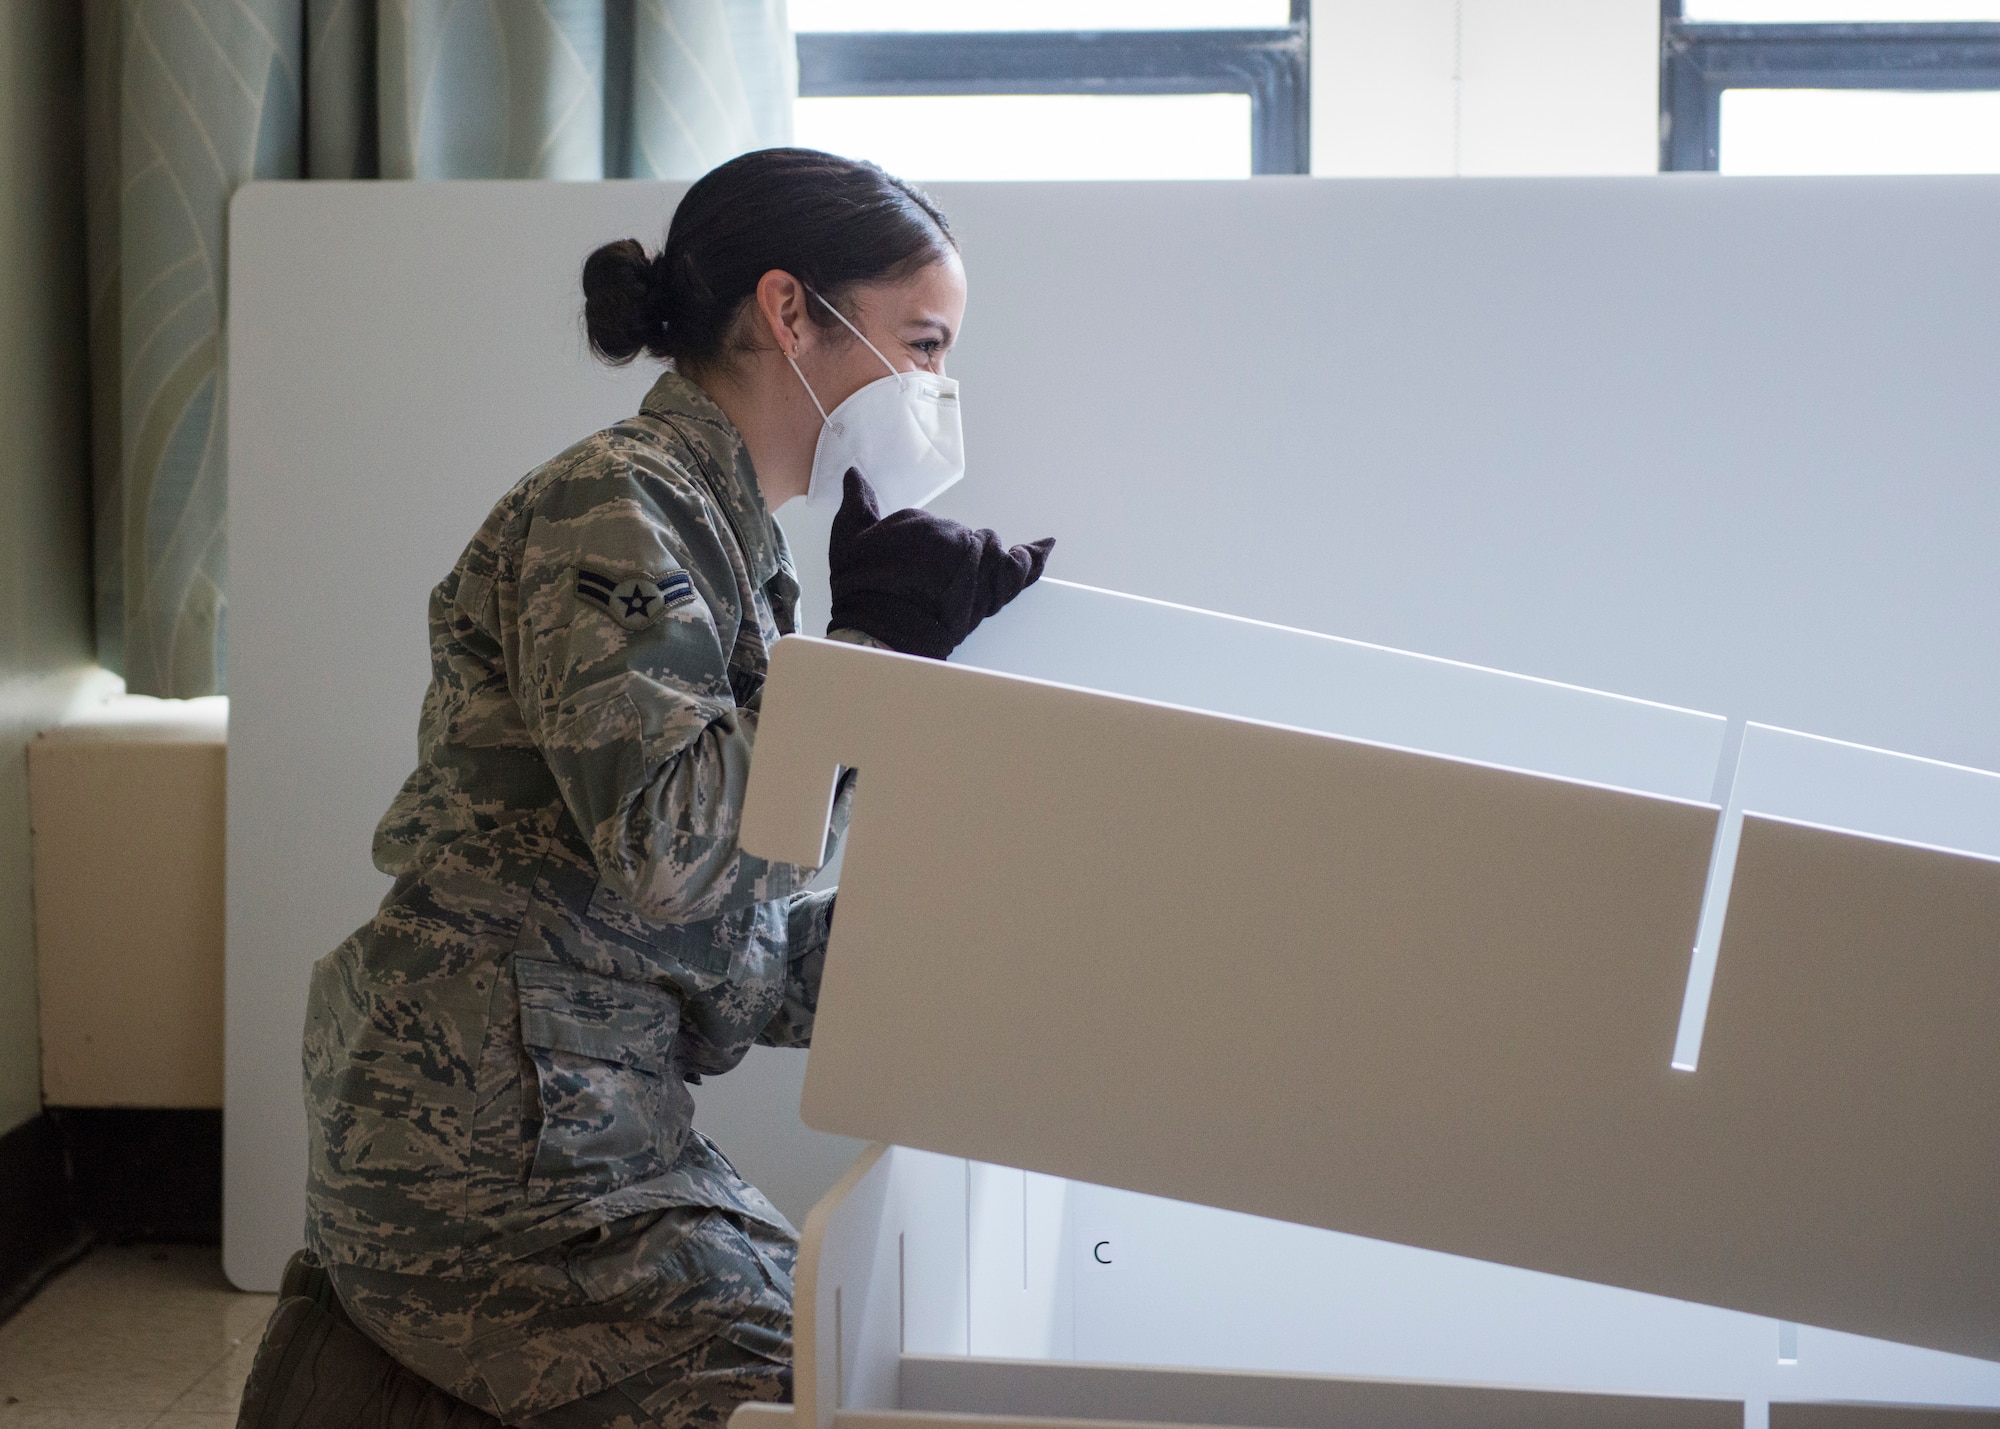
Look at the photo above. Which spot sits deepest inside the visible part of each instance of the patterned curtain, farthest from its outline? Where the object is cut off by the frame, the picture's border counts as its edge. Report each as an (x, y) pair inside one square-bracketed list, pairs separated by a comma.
[(189, 98)]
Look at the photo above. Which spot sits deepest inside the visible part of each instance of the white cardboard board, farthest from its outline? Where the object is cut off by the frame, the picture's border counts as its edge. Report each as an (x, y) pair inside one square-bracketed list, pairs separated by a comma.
[(1260, 968), (1390, 994), (1805, 778), (1848, 1101), (932, 1262), (941, 1384), (1173, 654), (1262, 1295)]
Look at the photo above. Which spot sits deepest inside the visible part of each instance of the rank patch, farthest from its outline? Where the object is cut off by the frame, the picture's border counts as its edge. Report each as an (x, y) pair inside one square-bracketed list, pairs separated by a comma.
[(635, 603)]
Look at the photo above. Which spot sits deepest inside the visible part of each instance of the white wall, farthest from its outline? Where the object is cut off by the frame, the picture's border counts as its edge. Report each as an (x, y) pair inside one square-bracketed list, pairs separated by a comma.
[(1494, 87)]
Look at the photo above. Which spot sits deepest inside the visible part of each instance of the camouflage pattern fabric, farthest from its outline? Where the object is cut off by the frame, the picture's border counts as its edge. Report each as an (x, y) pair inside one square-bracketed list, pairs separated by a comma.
[(709, 1287), (699, 1389), (503, 1181)]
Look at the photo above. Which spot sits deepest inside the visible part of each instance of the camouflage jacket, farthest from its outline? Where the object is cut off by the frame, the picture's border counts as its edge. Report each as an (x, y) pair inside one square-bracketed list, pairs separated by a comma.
[(497, 1061)]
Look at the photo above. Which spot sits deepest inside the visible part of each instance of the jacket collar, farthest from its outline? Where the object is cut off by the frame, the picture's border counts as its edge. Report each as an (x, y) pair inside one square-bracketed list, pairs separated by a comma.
[(725, 465)]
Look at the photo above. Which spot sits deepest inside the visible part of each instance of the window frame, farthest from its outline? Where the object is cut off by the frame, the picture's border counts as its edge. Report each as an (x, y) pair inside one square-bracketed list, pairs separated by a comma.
[(1273, 67), (1701, 59)]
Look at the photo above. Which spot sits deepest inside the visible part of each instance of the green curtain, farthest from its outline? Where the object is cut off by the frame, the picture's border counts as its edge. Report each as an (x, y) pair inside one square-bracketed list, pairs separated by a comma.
[(189, 98)]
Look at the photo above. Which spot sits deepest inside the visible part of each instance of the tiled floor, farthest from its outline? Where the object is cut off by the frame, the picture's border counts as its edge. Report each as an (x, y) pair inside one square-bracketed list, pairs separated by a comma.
[(131, 1337)]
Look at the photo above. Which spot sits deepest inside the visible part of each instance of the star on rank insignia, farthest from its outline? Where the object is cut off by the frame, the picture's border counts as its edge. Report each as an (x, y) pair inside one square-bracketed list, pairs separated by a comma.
[(638, 602)]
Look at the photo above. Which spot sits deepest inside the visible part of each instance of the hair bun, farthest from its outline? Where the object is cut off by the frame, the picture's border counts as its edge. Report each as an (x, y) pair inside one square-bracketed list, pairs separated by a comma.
[(827, 221), (622, 302)]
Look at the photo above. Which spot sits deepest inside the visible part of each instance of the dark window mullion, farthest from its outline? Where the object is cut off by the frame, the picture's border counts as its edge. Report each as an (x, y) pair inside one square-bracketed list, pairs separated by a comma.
[(1701, 60), (1052, 62), (1268, 65)]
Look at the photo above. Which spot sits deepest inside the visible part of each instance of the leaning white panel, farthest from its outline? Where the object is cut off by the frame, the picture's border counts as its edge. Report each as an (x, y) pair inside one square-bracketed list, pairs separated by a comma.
[(1270, 1296), (881, 1272), (1296, 975), (1848, 1101), (1393, 994), (1804, 778), (1153, 650), (1147, 1394), (1020, 1277)]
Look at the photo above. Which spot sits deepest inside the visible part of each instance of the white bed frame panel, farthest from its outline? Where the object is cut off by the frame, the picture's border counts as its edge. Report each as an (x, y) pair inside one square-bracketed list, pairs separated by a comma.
[(1809, 779), (1054, 1389), (882, 1264), (1174, 654), (1356, 978), (1263, 1295), (1394, 994), (1849, 1091)]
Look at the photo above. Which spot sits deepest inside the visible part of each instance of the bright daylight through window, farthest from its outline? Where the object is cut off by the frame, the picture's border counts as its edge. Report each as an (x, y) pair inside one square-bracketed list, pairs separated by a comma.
[(1036, 136), (1000, 135), (1859, 131)]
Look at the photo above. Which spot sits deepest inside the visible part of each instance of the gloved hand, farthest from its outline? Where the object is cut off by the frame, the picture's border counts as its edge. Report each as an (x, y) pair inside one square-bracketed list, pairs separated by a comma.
[(917, 582)]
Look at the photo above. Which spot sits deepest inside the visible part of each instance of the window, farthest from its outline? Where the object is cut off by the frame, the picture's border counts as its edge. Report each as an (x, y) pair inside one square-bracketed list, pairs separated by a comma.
[(1859, 131), (1019, 89), (1832, 87)]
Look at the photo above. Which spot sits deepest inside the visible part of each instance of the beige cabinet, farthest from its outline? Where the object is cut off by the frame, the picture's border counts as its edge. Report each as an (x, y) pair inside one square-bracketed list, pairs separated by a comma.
[(127, 810)]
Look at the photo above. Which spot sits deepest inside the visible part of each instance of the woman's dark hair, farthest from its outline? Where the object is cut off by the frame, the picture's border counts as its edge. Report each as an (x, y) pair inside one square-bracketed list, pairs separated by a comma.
[(829, 222)]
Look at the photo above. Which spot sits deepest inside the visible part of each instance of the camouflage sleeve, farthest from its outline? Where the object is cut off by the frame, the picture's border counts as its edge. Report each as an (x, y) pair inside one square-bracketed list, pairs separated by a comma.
[(808, 924), (625, 582), (808, 921)]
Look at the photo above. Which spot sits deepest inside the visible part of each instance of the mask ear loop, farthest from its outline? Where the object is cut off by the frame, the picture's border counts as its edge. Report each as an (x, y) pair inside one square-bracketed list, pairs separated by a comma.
[(823, 418), (857, 332)]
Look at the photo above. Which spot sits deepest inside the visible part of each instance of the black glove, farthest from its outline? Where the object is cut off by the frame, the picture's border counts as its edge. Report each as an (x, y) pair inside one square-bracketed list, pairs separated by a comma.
[(916, 582)]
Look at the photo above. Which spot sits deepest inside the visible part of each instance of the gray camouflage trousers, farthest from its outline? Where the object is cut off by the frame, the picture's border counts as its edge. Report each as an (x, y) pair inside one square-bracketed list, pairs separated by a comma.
[(700, 1295)]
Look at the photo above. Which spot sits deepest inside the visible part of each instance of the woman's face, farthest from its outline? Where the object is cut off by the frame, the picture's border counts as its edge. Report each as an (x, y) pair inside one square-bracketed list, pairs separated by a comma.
[(913, 322)]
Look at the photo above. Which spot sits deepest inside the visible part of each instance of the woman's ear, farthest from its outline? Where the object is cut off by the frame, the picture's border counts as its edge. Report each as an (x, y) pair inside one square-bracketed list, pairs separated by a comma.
[(781, 300)]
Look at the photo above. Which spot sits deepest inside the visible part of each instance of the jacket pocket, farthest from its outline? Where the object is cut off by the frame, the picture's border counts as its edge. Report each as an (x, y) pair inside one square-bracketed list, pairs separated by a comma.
[(614, 1110)]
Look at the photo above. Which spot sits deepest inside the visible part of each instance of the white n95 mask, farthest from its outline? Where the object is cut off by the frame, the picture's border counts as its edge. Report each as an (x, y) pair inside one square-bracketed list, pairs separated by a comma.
[(902, 431)]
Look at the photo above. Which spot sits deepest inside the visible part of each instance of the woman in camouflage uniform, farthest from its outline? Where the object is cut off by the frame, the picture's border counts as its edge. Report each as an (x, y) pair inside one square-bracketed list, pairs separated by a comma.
[(505, 1191)]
